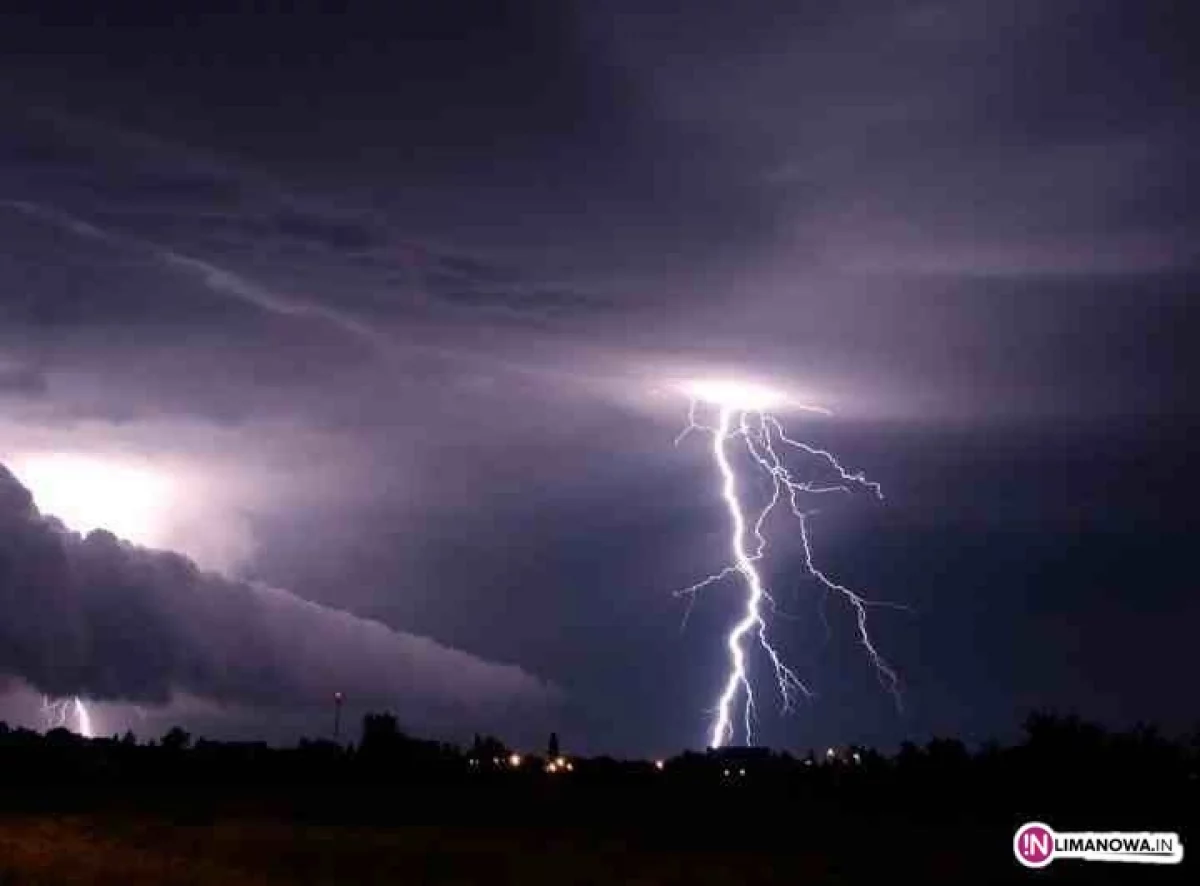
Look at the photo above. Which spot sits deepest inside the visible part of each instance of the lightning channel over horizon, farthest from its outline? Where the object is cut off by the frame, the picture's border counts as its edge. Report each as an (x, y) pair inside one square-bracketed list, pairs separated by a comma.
[(57, 714), (766, 442)]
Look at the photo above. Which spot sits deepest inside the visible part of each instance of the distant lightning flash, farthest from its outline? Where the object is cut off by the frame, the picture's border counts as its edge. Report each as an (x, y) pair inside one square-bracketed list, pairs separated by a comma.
[(742, 413), (57, 714), (83, 718)]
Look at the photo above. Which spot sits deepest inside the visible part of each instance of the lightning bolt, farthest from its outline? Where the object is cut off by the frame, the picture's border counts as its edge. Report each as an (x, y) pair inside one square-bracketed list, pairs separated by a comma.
[(764, 438), (83, 718), (57, 713)]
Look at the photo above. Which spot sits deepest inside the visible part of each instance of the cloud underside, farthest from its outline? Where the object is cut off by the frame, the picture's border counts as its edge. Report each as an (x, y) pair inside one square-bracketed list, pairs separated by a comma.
[(98, 617)]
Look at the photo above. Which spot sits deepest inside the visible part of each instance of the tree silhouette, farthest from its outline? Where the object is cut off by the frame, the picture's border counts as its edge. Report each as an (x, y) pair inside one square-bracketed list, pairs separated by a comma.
[(176, 740), (488, 748)]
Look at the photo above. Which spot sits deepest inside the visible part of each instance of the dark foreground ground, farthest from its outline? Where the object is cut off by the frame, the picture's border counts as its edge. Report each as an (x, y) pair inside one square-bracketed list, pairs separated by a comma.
[(132, 850), (398, 811)]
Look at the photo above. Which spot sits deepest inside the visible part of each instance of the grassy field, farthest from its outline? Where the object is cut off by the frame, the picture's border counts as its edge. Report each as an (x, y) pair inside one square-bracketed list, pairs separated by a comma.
[(90, 851)]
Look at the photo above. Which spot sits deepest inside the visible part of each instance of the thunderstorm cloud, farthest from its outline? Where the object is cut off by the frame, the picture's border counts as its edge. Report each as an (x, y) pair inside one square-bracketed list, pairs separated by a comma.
[(395, 301), (99, 617)]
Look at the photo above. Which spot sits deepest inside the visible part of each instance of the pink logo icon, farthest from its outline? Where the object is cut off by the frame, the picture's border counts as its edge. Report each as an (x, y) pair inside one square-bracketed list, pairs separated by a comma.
[(1033, 844)]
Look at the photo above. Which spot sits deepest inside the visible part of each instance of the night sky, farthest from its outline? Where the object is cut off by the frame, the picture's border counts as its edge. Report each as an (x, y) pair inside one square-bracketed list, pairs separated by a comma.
[(392, 301)]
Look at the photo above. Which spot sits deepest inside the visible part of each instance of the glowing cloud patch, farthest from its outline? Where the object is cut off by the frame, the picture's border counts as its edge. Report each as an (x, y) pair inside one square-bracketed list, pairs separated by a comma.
[(733, 394), (88, 492)]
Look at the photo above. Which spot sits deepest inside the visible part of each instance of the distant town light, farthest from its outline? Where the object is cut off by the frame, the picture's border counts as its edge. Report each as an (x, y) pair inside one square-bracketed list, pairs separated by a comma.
[(658, 764), (514, 760)]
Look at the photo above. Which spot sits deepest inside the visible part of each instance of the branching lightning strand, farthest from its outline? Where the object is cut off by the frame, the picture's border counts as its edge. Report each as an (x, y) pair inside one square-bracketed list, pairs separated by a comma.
[(56, 714), (764, 437)]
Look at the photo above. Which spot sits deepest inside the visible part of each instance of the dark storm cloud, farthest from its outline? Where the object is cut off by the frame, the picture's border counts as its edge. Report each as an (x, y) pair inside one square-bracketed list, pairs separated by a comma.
[(215, 278), (438, 290), (290, 256), (955, 136), (967, 196), (98, 617), (339, 236), (21, 380), (465, 238)]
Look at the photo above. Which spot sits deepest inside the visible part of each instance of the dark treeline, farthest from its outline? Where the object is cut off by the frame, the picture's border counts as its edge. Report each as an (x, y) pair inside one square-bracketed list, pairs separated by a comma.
[(1065, 771)]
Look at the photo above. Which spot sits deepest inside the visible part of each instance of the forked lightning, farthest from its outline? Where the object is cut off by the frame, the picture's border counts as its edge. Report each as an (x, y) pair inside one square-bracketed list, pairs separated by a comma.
[(742, 414), (57, 714)]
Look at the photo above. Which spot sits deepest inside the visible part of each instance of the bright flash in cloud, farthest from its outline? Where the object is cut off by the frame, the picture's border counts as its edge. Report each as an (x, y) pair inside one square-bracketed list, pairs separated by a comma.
[(89, 492), (68, 713), (742, 396)]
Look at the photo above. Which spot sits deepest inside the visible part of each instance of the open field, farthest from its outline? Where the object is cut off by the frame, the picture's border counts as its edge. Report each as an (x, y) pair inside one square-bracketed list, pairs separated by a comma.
[(397, 810), (96, 851)]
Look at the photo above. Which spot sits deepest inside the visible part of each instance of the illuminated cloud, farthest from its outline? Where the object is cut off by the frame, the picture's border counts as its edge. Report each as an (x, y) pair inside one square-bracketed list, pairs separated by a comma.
[(98, 617)]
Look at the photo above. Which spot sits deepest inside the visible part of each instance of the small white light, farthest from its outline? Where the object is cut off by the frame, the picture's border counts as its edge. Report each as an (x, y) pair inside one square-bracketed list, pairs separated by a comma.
[(514, 760)]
